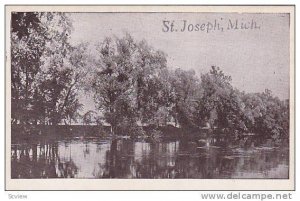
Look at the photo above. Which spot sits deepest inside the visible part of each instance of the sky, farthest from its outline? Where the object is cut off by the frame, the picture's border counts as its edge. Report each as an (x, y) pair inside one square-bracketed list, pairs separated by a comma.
[(257, 58)]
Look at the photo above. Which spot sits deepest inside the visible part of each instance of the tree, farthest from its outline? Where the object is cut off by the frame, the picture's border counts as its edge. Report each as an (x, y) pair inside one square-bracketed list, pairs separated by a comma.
[(127, 85), (112, 83), (240, 112), (150, 81), (220, 104), (46, 69), (130, 81), (27, 46), (185, 90), (60, 81), (267, 115), (72, 110)]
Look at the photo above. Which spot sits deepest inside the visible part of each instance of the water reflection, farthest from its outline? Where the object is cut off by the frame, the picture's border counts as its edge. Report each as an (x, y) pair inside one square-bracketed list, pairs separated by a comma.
[(125, 158)]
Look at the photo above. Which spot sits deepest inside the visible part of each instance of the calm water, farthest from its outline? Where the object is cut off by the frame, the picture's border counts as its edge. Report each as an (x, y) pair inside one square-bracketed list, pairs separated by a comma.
[(126, 158)]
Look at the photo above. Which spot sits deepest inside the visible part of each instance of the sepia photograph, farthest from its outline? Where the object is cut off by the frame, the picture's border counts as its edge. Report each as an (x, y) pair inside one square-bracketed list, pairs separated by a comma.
[(150, 94)]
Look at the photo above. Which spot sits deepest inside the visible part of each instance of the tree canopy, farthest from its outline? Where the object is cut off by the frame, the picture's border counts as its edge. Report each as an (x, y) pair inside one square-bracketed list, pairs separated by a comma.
[(131, 83)]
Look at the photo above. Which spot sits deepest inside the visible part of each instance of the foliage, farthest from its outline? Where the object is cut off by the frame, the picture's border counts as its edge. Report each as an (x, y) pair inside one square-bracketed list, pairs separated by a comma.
[(130, 82), (45, 69), (88, 117), (266, 115), (27, 46), (238, 112), (185, 90), (126, 84)]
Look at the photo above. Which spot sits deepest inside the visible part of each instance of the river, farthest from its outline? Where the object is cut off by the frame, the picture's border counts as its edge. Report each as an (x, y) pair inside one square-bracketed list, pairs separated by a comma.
[(127, 158)]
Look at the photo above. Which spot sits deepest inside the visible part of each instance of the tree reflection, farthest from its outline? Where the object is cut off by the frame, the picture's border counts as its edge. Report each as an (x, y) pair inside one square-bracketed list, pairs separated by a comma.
[(126, 158), (40, 161)]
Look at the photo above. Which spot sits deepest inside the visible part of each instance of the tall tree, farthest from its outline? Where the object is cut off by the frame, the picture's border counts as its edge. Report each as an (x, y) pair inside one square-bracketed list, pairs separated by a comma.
[(220, 104), (266, 115), (45, 68), (150, 68), (60, 82), (127, 84), (27, 46), (186, 89), (112, 83)]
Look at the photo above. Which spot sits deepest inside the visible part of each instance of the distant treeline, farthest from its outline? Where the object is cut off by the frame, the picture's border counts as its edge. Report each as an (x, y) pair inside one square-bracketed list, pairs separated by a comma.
[(131, 83)]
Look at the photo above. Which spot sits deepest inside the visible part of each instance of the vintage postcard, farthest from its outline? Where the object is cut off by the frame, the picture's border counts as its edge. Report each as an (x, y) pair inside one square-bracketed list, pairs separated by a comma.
[(150, 98)]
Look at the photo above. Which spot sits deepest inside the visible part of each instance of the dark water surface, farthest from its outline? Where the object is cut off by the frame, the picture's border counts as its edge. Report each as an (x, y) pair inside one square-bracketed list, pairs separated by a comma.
[(126, 158)]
